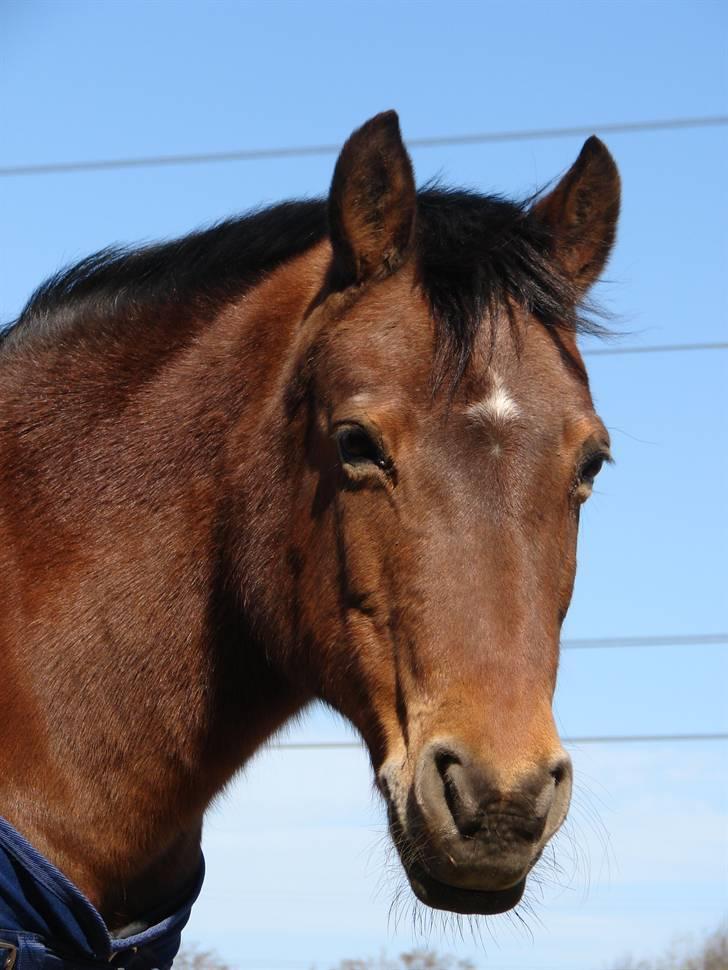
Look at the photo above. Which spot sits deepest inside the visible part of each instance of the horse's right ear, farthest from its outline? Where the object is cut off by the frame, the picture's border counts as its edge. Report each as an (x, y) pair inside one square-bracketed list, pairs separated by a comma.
[(372, 203), (582, 212)]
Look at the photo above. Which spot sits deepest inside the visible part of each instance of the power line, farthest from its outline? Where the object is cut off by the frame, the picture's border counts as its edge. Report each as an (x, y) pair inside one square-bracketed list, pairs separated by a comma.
[(645, 738), (691, 639), (300, 151), (587, 739), (654, 349)]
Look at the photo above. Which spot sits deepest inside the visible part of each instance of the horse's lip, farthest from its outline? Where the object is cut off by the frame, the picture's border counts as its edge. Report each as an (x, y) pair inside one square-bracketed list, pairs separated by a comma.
[(469, 902)]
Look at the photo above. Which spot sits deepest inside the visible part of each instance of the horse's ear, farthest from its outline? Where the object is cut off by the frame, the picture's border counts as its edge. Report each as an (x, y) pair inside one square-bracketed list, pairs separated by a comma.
[(372, 203), (582, 213)]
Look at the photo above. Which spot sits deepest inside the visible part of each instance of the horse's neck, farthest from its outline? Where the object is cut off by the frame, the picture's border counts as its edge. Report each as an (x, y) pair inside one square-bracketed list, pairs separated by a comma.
[(137, 688)]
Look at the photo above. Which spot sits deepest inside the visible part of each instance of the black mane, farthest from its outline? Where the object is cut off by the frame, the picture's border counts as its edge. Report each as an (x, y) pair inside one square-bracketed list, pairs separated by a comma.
[(477, 254)]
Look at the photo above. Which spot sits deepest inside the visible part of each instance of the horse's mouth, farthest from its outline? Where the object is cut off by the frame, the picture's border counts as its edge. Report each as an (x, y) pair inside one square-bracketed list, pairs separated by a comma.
[(437, 894), (469, 902)]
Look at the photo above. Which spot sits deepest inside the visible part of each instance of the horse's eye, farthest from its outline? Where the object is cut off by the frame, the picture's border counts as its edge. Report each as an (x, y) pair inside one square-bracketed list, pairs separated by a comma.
[(591, 468), (588, 471), (357, 447)]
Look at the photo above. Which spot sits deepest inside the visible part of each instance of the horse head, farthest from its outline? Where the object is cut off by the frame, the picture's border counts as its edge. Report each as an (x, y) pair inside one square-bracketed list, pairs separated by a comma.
[(439, 438)]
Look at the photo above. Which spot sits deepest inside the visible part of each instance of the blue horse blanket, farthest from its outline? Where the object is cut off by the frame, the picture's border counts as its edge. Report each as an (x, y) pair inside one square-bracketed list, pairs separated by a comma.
[(46, 923)]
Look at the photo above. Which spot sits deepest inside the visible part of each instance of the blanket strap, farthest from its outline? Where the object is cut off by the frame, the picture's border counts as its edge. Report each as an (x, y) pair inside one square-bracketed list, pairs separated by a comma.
[(8, 955)]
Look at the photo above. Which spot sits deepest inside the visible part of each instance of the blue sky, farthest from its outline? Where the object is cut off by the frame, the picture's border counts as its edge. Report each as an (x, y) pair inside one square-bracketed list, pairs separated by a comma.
[(296, 850)]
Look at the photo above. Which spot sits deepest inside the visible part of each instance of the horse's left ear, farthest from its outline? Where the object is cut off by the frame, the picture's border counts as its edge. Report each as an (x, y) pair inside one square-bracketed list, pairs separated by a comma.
[(582, 213), (372, 203)]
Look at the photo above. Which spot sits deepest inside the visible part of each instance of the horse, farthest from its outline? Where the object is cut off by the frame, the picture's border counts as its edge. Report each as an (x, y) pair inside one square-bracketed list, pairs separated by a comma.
[(331, 450)]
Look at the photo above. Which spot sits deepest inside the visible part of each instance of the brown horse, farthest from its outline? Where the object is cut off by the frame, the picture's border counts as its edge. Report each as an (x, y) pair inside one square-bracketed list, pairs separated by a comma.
[(330, 450)]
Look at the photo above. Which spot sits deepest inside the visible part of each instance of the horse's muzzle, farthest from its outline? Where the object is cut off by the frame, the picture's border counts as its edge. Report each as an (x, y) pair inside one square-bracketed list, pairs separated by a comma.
[(466, 842)]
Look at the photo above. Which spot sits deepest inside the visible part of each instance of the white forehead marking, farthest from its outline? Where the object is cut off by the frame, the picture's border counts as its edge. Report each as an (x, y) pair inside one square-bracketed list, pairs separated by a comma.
[(497, 408)]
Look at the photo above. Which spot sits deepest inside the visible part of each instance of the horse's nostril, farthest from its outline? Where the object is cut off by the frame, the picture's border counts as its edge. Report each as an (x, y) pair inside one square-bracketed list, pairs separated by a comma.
[(451, 796), (561, 769), (447, 765), (444, 759), (453, 791)]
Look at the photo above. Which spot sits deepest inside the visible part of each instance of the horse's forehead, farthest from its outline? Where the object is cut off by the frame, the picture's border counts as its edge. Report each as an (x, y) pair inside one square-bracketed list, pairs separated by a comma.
[(388, 346), (519, 369)]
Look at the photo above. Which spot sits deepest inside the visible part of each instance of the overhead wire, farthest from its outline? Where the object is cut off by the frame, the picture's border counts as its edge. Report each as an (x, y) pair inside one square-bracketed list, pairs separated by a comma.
[(676, 640), (575, 740), (301, 151), (654, 349)]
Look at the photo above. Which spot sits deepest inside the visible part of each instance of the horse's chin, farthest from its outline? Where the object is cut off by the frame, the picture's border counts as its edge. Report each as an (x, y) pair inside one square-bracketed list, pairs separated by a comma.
[(469, 902)]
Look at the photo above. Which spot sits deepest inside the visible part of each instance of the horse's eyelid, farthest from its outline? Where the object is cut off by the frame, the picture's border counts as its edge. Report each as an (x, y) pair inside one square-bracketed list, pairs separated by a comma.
[(341, 428), (599, 454)]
